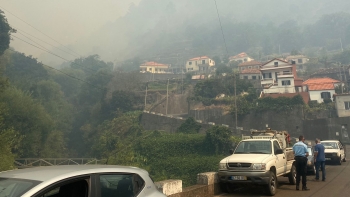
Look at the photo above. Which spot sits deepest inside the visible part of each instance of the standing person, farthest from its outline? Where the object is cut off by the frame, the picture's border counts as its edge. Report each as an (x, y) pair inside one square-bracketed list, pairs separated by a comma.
[(320, 160), (301, 154)]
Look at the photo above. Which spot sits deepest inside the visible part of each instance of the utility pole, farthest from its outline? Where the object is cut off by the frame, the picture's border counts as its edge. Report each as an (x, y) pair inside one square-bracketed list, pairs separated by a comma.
[(234, 75), (146, 96), (182, 78), (341, 78), (167, 92), (341, 45), (346, 81)]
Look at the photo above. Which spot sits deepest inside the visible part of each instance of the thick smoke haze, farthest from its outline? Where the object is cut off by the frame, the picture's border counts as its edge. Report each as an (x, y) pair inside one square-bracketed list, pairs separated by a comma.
[(118, 30)]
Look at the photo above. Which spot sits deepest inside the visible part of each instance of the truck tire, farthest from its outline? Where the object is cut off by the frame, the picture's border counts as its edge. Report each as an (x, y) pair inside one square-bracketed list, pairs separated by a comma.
[(339, 161), (272, 184), (292, 176), (223, 187)]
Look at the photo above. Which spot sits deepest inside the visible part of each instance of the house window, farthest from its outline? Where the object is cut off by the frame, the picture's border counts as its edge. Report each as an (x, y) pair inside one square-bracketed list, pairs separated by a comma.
[(254, 77), (245, 77), (267, 75), (150, 69), (156, 69), (203, 61), (276, 64), (325, 95), (249, 67), (189, 63), (300, 61), (286, 82), (347, 105), (210, 61), (245, 59)]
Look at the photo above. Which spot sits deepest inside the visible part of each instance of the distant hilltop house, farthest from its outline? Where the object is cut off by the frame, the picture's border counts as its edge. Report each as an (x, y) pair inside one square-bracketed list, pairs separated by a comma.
[(299, 60), (321, 88), (240, 58), (250, 70), (199, 65), (154, 67)]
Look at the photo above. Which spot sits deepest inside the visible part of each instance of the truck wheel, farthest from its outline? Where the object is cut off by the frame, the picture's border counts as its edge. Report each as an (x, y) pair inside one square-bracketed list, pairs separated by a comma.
[(339, 161), (272, 184), (223, 187), (292, 176), (344, 160)]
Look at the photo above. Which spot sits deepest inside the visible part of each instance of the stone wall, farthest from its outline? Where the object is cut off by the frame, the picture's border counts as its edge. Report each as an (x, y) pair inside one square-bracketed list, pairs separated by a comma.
[(293, 121)]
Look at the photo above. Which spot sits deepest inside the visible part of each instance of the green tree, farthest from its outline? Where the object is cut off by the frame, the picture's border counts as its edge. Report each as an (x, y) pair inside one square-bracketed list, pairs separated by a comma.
[(218, 139), (190, 126), (5, 33)]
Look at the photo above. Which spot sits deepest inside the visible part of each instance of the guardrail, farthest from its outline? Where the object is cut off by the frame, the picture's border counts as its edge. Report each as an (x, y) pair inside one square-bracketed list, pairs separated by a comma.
[(35, 162)]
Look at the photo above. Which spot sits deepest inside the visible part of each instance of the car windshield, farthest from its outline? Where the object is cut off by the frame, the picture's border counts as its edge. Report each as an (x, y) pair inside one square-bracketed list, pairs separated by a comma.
[(15, 187), (330, 145), (254, 147)]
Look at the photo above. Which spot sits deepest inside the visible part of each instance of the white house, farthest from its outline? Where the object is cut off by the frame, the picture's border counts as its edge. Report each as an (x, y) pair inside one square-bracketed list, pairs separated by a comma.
[(242, 57), (202, 64), (342, 104), (321, 88), (154, 67), (300, 60), (250, 70), (279, 76)]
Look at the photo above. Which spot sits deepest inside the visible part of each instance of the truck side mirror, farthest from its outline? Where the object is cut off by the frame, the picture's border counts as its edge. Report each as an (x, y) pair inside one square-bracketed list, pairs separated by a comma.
[(278, 152), (231, 151)]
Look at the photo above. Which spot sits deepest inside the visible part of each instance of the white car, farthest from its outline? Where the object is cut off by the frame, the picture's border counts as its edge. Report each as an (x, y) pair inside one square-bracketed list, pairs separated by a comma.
[(78, 181), (334, 151)]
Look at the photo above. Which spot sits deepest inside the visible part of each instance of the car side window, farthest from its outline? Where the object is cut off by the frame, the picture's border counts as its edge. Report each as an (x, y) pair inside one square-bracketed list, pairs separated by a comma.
[(123, 185), (276, 146), (71, 188)]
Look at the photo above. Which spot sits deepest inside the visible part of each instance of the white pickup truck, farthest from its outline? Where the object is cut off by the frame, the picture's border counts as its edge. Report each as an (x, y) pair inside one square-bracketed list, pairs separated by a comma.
[(258, 160)]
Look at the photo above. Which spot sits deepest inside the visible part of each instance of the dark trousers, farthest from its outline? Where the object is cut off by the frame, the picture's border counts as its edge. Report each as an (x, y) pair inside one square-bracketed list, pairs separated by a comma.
[(300, 164), (321, 164)]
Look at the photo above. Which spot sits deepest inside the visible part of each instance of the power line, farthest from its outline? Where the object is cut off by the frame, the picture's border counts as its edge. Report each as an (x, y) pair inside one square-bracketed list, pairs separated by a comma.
[(73, 77), (39, 30), (223, 36), (59, 56), (19, 31)]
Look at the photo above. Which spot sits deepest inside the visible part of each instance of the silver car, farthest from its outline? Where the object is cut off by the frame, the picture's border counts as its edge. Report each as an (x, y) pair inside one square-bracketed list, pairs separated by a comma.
[(78, 181)]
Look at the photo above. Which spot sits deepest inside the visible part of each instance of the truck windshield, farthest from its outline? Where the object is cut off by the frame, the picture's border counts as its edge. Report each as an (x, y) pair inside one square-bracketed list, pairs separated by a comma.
[(253, 147)]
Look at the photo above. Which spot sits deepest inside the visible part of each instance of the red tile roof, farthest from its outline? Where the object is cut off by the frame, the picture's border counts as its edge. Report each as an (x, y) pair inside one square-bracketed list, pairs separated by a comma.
[(320, 80), (320, 83), (250, 71), (250, 63), (199, 58), (326, 86), (241, 55), (305, 95), (153, 64)]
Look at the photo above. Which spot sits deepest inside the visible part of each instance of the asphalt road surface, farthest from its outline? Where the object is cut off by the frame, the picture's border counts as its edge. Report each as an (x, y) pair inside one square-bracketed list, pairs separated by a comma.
[(337, 184)]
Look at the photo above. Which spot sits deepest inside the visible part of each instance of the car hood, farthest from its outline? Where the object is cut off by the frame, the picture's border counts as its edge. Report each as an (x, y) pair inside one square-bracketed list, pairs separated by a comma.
[(331, 150), (247, 158)]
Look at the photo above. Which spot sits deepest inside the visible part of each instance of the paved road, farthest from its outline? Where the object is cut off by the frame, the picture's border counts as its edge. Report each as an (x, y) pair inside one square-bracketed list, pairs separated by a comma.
[(337, 184)]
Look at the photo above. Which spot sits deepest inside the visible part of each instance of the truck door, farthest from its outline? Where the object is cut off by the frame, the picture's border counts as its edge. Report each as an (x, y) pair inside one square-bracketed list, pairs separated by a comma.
[(281, 164)]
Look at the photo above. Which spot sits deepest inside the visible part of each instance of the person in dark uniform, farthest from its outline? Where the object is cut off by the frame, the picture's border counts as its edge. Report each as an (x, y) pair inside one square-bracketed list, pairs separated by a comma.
[(301, 154)]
